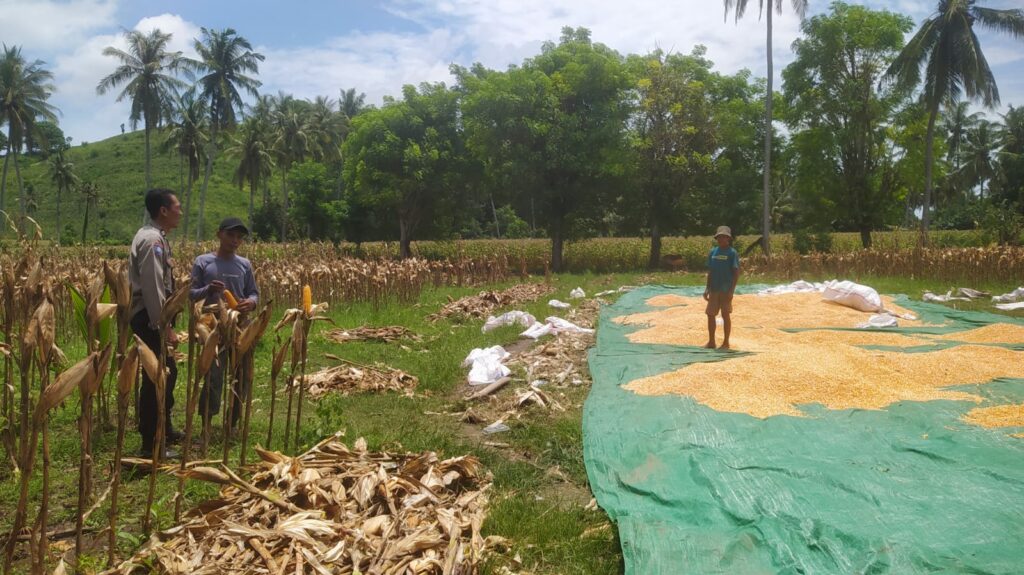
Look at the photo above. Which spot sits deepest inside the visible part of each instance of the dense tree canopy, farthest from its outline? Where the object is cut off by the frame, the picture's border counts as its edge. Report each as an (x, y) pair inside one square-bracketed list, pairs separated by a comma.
[(578, 140)]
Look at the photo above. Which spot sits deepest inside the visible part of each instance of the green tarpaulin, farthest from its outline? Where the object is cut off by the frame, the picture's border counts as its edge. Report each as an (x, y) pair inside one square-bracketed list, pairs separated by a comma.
[(908, 489)]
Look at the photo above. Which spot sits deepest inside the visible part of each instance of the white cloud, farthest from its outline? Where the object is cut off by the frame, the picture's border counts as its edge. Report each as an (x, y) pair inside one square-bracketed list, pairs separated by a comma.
[(86, 115), (377, 64), (47, 26)]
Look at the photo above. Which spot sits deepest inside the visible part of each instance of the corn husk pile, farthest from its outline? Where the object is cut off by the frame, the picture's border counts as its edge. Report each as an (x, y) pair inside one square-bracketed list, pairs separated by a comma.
[(561, 360), (349, 378), (482, 304), (383, 334), (332, 510)]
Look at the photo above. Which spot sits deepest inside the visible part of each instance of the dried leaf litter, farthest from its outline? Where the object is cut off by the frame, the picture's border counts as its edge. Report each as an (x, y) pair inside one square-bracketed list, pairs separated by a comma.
[(332, 510), (827, 367)]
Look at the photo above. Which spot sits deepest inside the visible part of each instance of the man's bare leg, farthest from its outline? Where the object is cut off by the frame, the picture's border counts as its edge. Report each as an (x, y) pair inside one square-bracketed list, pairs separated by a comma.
[(711, 332), (727, 323)]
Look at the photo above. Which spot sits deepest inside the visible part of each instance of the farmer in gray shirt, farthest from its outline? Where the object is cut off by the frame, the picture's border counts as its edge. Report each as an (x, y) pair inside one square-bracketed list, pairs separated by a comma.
[(213, 274), (152, 280)]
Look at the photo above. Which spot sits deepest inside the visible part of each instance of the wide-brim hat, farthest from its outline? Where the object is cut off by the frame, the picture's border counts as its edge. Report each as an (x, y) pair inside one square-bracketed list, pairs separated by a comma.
[(723, 231), (233, 224)]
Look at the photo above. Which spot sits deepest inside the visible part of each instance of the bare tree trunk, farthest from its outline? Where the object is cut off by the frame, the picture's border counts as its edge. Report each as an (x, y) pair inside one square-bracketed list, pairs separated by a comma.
[(188, 204), (766, 222), (149, 167), (655, 259), (211, 154), (404, 239), (3, 180), (57, 237), (929, 150), (21, 192), (556, 246), (252, 202), (284, 204)]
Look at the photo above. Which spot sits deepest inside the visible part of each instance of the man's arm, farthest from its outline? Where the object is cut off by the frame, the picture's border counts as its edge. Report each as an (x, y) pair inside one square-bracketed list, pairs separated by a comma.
[(197, 290), (251, 290), (151, 273), (735, 273)]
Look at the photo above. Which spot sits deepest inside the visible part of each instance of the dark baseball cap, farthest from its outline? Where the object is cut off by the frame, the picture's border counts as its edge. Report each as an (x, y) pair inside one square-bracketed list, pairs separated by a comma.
[(233, 224)]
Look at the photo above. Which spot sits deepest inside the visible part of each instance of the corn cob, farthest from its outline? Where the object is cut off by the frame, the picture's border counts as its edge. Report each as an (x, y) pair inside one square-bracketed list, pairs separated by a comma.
[(307, 299), (230, 298)]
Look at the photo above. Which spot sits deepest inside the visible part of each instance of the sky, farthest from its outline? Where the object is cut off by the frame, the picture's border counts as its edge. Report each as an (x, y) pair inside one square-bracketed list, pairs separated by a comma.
[(319, 47)]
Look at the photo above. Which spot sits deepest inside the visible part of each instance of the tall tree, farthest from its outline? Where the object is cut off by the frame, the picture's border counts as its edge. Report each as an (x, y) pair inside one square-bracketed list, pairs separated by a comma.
[(407, 157), (90, 197), (291, 144), (977, 164), (225, 59), (25, 88), (146, 71), (673, 135), (62, 174), (186, 137), (739, 8), (950, 53), (555, 125), (1010, 183), (833, 99), (352, 104), (252, 148)]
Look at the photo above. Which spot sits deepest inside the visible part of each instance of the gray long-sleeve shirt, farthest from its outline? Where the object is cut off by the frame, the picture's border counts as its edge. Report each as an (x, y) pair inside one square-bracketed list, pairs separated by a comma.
[(150, 272), (235, 272)]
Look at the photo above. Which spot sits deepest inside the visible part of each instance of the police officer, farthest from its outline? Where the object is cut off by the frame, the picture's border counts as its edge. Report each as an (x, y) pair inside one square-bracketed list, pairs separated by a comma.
[(152, 281)]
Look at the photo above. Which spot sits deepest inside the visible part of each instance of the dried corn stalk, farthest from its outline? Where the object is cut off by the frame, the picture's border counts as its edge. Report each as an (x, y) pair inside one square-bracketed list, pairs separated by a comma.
[(482, 304), (353, 378), (332, 510), (383, 334)]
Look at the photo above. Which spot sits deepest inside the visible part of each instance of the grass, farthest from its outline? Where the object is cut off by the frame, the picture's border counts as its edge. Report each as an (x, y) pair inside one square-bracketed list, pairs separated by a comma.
[(540, 483)]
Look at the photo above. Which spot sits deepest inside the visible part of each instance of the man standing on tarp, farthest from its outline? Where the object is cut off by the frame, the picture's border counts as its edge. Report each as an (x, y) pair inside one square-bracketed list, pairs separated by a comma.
[(723, 274), (214, 274), (151, 274)]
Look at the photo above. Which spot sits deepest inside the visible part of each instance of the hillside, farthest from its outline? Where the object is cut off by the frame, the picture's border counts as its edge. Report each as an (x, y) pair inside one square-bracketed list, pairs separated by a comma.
[(116, 166)]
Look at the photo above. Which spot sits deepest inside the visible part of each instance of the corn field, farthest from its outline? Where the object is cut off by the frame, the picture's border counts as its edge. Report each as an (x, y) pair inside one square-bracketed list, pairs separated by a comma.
[(49, 296)]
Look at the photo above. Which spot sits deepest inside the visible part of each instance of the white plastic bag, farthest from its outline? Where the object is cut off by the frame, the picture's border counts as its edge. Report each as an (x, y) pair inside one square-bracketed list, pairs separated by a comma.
[(523, 318), (577, 293), (559, 325), (853, 295), (485, 365), (1015, 296), (537, 330), (559, 304), (879, 321)]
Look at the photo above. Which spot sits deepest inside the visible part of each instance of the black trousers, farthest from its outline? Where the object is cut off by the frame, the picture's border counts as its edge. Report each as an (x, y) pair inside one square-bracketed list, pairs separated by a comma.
[(147, 408)]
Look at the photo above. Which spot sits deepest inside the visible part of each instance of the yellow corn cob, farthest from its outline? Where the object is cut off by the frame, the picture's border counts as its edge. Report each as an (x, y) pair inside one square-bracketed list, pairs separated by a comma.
[(307, 299), (230, 298)]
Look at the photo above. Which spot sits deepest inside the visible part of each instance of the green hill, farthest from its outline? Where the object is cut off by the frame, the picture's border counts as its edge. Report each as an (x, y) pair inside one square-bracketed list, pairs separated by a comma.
[(116, 165)]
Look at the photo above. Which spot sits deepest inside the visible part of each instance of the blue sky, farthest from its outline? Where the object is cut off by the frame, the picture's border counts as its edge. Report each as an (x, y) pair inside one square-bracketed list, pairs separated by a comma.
[(318, 47)]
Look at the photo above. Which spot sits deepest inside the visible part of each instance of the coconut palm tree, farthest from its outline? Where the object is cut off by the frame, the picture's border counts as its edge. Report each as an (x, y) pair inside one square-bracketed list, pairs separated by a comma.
[(739, 7), (291, 143), (224, 60), (90, 196), (25, 88), (188, 132), (352, 104), (146, 71), (62, 174), (948, 49), (251, 147), (327, 128), (978, 155)]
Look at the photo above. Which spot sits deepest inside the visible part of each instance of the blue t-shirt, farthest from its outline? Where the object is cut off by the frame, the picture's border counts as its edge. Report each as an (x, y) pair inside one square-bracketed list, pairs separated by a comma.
[(721, 263)]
